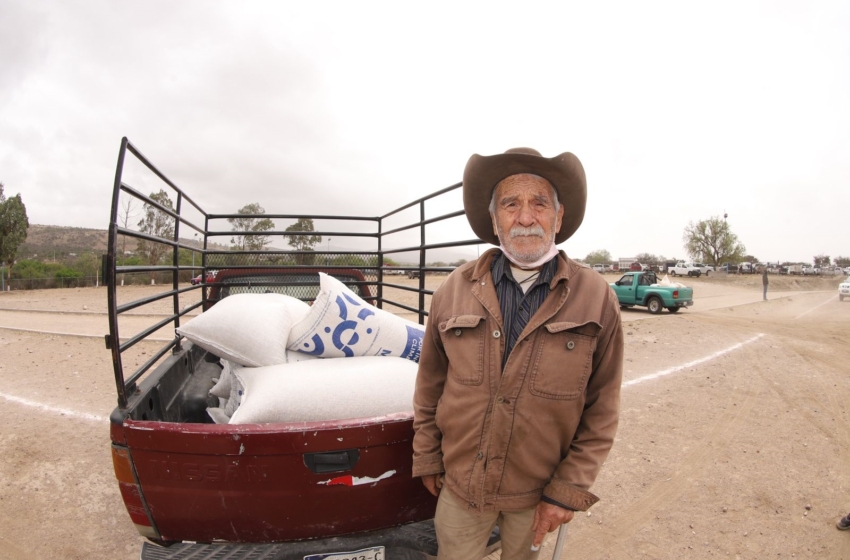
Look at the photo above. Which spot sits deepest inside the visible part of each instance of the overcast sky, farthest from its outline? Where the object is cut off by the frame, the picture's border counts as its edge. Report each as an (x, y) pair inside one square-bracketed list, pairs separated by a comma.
[(679, 111)]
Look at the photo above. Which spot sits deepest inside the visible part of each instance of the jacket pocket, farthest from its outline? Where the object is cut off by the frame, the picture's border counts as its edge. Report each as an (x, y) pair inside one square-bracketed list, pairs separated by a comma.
[(564, 359), (463, 341)]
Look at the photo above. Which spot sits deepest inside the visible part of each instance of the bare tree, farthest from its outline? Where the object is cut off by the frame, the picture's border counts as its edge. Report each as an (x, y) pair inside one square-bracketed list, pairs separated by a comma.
[(712, 241)]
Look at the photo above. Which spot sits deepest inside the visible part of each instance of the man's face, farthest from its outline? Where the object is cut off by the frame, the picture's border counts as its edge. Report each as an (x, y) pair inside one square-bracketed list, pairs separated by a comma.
[(524, 216)]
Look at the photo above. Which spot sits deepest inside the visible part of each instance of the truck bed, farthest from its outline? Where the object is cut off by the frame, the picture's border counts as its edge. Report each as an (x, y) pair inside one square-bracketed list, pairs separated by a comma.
[(266, 482)]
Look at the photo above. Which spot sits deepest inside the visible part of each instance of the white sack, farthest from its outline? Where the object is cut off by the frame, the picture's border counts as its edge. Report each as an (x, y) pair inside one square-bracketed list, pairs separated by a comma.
[(218, 415), (222, 387), (248, 329), (341, 325), (362, 387)]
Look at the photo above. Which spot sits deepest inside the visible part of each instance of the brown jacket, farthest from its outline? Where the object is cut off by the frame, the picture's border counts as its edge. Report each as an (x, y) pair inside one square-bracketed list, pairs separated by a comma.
[(544, 425)]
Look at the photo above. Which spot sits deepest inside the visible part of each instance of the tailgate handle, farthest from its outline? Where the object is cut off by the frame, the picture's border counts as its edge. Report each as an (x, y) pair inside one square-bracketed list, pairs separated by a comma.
[(332, 461)]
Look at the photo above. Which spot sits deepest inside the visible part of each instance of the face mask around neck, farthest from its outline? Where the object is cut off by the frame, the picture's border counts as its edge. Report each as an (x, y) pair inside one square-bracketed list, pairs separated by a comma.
[(536, 264)]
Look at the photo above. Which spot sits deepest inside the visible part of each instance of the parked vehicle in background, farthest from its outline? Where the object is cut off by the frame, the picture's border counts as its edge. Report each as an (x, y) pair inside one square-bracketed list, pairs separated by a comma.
[(210, 278), (684, 269), (704, 268), (625, 263), (600, 268), (641, 288), (847, 270), (636, 266), (746, 268), (833, 271), (795, 269), (844, 289), (809, 271), (728, 268)]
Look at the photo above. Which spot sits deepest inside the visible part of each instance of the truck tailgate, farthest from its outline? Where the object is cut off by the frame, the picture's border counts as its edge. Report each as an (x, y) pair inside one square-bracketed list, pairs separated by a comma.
[(276, 482)]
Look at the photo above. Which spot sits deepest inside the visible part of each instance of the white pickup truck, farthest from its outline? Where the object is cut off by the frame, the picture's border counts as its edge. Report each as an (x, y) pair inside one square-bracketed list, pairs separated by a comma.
[(687, 269)]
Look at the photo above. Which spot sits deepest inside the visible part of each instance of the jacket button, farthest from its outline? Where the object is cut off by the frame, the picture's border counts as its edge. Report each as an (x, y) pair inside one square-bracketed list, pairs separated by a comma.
[(500, 400), (496, 334), (571, 345), (458, 332), (480, 456)]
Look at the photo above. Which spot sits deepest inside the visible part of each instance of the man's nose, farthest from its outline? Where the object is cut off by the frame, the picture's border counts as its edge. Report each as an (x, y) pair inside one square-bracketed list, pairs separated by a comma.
[(526, 216)]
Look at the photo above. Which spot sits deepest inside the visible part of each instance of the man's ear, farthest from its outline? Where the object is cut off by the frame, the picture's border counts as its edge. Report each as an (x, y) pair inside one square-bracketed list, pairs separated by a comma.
[(493, 221), (560, 218)]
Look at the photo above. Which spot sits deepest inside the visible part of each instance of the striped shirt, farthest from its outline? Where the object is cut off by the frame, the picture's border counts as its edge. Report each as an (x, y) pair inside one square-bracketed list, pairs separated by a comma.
[(517, 306)]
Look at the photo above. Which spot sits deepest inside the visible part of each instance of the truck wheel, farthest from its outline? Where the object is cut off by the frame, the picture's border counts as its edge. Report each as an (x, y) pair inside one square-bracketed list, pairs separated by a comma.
[(706, 273), (673, 309), (654, 305), (672, 273)]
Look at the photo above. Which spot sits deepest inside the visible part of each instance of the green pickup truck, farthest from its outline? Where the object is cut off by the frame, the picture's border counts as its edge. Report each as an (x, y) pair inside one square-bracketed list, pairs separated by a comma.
[(641, 288)]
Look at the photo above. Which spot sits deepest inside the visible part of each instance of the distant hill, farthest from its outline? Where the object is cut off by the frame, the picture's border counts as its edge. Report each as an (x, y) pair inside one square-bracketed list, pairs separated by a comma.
[(63, 243), (58, 243)]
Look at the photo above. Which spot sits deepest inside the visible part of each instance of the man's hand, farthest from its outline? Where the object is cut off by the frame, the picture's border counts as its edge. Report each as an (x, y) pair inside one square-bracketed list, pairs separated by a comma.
[(433, 483), (547, 518)]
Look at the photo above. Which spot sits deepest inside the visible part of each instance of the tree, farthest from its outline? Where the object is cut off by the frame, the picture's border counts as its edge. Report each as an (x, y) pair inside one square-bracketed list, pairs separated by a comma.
[(251, 242), (712, 241), (158, 224), (821, 261), (601, 256), (303, 242), (749, 259), (843, 262), (649, 258), (13, 228)]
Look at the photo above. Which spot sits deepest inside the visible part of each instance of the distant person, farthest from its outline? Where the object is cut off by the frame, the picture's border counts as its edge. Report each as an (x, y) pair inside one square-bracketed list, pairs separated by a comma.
[(843, 523), (764, 282)]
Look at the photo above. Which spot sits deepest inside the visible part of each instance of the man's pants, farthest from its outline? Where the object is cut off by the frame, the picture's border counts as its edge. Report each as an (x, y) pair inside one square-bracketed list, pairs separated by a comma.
[(765, 292), (462, 534)]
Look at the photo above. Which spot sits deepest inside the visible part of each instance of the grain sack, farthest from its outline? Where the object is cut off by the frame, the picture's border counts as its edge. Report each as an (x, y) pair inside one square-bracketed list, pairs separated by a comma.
[(248, 329), (362, 387), (341, 325)]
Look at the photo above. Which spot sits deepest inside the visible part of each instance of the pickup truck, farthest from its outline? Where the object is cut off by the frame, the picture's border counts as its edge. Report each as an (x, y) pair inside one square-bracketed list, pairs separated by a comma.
[(685, 269), (641, 288), (331, 490)]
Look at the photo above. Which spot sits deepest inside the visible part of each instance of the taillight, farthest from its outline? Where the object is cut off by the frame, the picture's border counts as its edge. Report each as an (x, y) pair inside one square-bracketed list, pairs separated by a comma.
[(131, 493), (675, 294)]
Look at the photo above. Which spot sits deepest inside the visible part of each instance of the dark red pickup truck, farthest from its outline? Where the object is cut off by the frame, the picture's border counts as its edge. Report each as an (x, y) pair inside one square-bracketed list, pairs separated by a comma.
[(197, 489)]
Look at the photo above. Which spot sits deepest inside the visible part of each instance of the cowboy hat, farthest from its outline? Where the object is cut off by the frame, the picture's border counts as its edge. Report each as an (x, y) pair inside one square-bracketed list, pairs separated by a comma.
[(483, 173)]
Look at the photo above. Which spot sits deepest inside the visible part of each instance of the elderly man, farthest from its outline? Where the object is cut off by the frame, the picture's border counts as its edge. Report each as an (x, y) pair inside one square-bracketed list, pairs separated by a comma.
[(518, 391)]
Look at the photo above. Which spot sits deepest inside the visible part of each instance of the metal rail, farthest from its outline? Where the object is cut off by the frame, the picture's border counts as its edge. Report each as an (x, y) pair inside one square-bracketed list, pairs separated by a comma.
[(371, 263)]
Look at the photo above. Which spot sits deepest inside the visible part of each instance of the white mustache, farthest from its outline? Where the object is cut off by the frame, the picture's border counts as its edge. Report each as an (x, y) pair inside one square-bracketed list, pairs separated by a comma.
[(534, 231)]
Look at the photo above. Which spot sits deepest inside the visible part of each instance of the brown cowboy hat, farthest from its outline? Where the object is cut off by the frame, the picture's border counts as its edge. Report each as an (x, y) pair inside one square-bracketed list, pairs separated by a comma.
[(483, 173)]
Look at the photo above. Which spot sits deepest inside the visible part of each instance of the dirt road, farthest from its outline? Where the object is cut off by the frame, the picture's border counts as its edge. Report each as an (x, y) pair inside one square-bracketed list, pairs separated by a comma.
[(734, 438)]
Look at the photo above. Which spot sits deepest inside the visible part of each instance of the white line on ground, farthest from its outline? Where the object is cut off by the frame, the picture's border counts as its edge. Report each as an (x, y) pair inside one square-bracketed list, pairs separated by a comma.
[(54, 409), (655, 375), (693, 363), (815, 307)]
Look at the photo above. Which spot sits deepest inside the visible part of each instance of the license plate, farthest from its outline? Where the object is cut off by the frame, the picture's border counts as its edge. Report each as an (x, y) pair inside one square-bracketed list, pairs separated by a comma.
[(374, 553)]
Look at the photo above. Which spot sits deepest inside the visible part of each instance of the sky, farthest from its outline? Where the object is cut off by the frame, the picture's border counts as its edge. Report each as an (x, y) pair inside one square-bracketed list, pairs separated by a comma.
[(678, 111)]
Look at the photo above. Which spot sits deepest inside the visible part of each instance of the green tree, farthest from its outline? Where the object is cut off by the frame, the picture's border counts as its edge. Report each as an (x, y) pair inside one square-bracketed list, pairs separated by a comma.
[(712, 241), (304, 242), (13, 228), (842, 261), (601, 256), (253, 224), (158, 224)]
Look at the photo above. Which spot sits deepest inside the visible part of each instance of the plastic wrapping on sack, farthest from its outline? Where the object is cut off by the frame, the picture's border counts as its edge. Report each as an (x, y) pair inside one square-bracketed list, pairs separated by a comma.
[(341, 325), (361, 387)]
